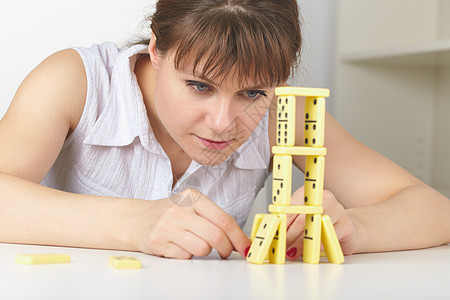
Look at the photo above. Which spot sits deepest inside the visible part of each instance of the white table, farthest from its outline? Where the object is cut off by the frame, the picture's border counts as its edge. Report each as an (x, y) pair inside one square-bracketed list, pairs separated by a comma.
[(419, 274)]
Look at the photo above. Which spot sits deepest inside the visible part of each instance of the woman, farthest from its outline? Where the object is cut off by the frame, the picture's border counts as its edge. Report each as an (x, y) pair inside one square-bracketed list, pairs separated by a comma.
[(184, 120)]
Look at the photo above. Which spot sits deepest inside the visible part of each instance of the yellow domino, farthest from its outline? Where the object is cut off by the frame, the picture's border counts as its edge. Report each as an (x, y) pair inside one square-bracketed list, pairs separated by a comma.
[(311, 241), (298, 150), (263, 239), (314, 122), (256, 221), (295, 209), (330, 242), (277, 251), (302, 91), (286, 121), (282, 179), (314, 175), (124, 262), (47, 258)]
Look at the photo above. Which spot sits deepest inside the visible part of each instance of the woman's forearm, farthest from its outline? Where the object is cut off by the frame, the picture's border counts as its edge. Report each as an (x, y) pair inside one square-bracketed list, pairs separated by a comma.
[(416, 217), (33, 214)]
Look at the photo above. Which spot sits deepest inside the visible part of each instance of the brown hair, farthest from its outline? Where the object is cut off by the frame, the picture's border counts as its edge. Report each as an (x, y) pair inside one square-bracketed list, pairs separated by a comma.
[(257, 39)]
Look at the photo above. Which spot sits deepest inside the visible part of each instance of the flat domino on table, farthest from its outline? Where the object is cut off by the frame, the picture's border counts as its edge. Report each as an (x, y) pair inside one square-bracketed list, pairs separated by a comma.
[(46, 258), (282, 179), (263, 239), (314, 122), (286, 120), (124, 262)]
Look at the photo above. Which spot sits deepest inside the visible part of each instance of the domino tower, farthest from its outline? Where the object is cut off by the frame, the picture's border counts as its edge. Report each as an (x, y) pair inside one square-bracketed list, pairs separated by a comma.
[(268, 234)]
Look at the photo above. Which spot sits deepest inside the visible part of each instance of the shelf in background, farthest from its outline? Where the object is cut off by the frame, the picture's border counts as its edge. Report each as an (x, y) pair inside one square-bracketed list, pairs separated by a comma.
[(427, 54)]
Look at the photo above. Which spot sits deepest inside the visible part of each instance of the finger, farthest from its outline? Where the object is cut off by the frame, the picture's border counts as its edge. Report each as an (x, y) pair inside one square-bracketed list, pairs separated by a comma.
[(345, 232), (195, 233), (295, 250), (172, 239), (332, 207), (192, 243), (297, 198), (341, 222), (214, 214), (211, 234), (296, 229), (172, 250), (183, 238)]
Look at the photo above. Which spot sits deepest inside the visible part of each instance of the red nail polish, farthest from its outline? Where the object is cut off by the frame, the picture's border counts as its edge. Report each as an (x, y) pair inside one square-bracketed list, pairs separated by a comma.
[(246, 251), (291, 252)]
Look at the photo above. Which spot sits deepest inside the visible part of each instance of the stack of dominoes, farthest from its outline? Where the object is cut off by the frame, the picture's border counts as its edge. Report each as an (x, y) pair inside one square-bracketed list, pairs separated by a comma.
[(269, 230)]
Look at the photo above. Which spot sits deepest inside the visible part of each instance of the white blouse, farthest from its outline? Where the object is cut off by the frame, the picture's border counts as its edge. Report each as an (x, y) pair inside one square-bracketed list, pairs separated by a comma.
[(113, 151)]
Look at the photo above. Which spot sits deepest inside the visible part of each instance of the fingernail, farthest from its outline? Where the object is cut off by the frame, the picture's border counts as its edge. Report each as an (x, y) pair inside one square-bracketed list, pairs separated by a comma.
[(246, 251), (291, 252)]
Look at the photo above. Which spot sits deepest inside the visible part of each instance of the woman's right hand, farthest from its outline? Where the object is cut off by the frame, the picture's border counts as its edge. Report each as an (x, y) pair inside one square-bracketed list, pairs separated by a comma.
[(188, 224)]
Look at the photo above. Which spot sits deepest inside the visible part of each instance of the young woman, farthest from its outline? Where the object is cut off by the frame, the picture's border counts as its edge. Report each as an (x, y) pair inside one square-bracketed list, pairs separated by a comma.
[(184, 120)]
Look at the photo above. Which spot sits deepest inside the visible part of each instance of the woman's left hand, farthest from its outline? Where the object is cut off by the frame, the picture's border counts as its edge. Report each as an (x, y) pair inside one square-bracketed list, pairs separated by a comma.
[(343, 225)]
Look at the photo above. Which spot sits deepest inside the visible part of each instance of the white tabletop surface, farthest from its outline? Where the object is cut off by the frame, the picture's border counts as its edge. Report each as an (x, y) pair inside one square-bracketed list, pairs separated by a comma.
[(418, 274)]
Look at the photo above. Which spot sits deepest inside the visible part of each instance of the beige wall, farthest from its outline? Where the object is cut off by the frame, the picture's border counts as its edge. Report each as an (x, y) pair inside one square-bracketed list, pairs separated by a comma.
[(392, 74)]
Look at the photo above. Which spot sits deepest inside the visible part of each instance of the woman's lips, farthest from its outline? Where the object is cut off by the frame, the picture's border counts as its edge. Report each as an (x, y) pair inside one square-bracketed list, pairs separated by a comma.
[(216, 145)]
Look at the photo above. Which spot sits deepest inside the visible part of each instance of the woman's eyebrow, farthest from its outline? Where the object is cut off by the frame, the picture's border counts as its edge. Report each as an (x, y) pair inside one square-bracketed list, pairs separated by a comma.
[(205, 78), (211, 81)]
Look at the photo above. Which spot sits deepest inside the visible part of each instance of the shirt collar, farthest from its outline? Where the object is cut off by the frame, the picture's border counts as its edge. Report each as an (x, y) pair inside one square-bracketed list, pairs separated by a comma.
[(124, 116)]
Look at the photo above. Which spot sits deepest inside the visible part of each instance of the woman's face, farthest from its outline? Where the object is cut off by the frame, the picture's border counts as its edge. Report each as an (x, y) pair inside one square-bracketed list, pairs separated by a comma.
[(207, 119)]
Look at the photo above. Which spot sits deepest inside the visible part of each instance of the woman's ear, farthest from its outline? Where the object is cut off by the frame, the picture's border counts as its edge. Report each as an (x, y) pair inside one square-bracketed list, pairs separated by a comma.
[(153, 52)]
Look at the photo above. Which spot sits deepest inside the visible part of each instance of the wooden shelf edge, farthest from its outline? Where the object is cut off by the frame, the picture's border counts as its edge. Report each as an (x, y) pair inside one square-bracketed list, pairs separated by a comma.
[(397, 52)]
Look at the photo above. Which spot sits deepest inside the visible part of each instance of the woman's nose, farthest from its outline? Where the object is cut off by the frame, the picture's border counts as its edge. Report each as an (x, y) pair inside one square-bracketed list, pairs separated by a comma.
[(221, 117)]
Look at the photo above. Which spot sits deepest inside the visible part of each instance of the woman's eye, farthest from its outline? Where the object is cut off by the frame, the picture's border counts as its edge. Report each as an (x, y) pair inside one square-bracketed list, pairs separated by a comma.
[(254, 95), (198, 86), (202, 87)]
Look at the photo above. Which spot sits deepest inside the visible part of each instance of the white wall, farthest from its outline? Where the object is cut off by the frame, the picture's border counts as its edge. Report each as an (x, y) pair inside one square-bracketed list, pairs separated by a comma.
[(318, 54), (319, 49), (32, 30)]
